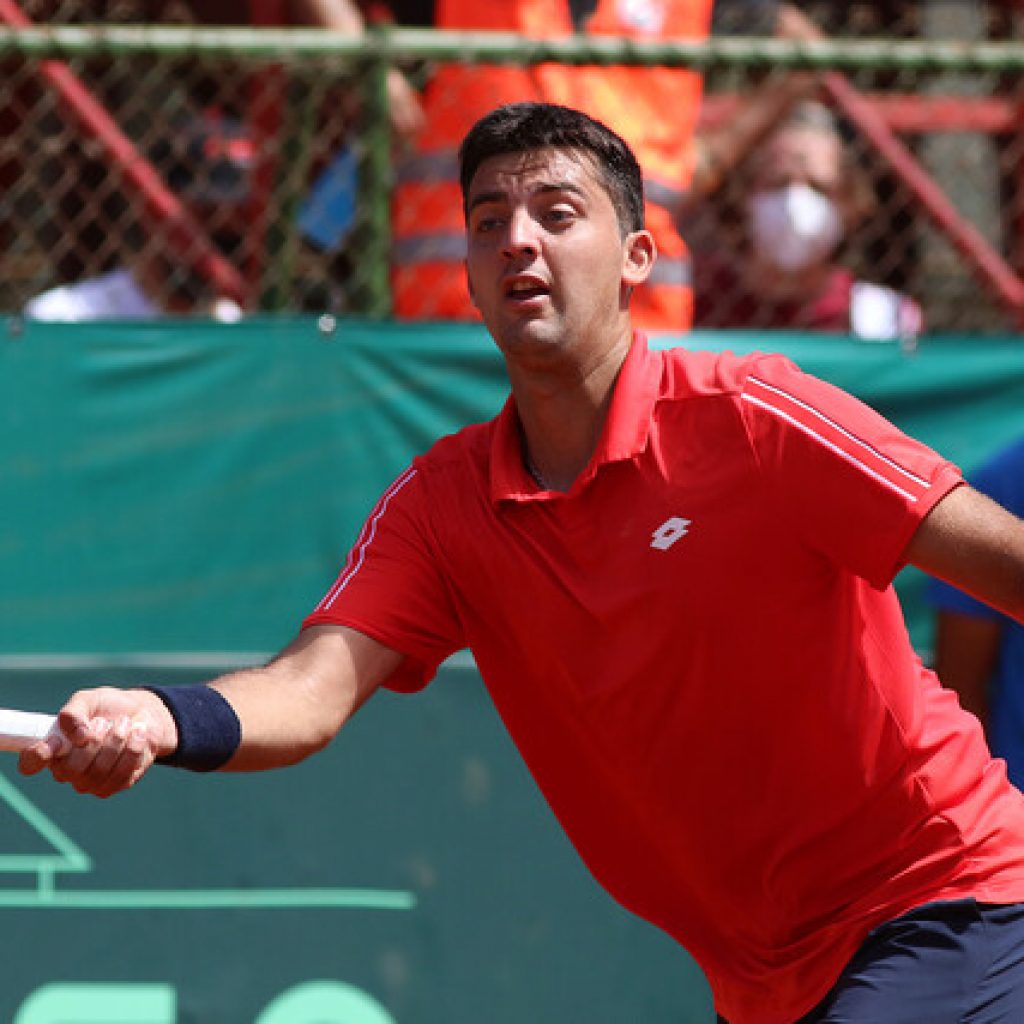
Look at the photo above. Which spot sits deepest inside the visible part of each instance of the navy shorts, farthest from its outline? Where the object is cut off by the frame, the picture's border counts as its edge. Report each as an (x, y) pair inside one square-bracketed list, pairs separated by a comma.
[(951, 962)]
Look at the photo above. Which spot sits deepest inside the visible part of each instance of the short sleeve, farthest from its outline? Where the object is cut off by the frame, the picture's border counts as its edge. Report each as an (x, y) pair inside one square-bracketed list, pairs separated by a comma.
[(849, 483), (391, 588)]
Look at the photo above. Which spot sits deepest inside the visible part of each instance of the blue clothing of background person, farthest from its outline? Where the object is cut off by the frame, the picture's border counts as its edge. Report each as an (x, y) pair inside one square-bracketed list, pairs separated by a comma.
[(978, 652)]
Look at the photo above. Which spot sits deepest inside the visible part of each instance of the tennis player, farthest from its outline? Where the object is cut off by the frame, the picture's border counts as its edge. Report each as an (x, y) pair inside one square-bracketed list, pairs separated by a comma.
[(674, 570)]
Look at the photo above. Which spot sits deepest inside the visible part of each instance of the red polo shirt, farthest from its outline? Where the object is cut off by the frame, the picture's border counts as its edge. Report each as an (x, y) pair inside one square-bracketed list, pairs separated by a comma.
[(698, 653)]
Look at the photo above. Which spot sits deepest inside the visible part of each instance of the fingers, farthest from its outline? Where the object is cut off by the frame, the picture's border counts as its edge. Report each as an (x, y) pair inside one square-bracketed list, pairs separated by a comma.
[(105, 758), (35, 758), (83, 711), (100, 747)]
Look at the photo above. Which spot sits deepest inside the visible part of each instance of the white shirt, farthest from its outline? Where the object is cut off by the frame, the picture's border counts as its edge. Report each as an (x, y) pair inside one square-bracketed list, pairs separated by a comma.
[(115, 295)]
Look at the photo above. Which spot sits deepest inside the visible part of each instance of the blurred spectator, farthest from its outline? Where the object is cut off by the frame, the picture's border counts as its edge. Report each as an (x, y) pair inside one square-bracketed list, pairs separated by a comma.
[(114, 295), (772, 258), (979, 653), (654, 108), (81, 227), (151, 283), (343, 16), (207, 162), (141, 291)]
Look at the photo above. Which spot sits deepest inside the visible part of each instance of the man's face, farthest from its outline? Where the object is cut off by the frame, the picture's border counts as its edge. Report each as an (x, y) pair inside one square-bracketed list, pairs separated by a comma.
[(546, 258)]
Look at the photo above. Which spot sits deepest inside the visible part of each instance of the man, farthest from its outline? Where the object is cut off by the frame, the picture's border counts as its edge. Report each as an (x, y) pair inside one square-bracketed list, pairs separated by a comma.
[(673, 570), (655, 109), (978, 652)]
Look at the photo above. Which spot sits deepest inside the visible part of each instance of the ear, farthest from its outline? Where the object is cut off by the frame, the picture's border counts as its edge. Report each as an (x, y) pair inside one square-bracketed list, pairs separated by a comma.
[(639, 252)]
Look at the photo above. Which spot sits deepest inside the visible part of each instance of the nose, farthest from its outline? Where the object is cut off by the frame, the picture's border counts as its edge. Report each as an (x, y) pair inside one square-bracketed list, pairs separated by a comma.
[(520, 235)]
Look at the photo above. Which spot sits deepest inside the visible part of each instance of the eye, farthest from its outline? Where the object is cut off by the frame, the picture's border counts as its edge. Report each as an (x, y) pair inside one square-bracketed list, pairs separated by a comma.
[(559, 215), (484, 221)]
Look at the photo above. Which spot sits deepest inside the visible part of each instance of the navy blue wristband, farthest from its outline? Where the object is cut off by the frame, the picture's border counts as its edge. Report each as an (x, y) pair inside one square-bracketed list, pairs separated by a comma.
[(208, 728)]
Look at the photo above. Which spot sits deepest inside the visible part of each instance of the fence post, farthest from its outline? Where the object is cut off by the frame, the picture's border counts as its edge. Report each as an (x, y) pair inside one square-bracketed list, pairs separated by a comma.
[(375, 179)]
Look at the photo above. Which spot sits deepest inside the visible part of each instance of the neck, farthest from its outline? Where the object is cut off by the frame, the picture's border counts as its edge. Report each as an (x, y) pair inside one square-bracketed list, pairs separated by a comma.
[(562, 414)]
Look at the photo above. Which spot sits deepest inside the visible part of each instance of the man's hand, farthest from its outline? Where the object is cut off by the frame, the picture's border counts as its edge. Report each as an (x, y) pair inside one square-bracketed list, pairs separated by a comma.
[(107, 740)]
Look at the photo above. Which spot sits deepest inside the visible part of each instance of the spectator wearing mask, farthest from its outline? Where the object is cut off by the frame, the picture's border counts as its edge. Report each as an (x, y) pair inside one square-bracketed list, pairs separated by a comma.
[(777, 265)]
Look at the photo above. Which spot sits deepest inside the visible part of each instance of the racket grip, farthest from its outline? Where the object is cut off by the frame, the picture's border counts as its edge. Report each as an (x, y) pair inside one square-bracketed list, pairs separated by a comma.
[(20, 729)]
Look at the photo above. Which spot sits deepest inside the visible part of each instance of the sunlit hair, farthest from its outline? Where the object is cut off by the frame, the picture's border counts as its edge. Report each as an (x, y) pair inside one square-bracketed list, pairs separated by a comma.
[(525, 127)]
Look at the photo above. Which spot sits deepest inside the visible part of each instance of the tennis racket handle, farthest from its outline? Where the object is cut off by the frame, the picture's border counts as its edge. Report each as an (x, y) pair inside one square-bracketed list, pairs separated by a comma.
[(20, 729)]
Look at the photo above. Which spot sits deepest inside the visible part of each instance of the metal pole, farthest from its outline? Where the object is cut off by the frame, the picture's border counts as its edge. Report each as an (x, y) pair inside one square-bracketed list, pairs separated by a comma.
[(295, 44), (971, 244), (373, 243)]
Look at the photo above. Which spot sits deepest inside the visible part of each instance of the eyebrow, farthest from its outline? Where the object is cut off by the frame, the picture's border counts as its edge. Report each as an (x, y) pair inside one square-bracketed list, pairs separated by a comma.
[(497, 196)]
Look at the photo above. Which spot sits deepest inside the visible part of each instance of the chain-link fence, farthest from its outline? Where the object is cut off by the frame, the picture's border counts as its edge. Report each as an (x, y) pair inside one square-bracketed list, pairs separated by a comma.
[(184, 165)]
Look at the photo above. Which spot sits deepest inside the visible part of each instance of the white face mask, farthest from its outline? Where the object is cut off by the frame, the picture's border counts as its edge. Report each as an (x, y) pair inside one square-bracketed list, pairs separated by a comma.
[(794, 227)]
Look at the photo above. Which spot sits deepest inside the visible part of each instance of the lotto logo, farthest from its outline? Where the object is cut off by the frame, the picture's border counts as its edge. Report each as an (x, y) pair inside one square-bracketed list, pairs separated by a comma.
[(669, 532)]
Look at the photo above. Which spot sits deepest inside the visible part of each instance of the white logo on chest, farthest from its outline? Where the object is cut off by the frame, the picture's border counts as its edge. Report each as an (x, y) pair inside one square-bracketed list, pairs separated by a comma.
[(669, 532)]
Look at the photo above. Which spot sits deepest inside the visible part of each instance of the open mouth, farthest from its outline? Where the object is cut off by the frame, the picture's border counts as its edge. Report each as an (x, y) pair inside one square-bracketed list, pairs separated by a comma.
[(523, 289)]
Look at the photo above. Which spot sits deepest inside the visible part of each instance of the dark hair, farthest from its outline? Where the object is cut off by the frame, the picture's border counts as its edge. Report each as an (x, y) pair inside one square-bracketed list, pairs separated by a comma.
[(522, 127)]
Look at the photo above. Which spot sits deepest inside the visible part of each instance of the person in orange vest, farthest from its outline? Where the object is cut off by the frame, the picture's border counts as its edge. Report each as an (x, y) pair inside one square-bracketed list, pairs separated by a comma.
[(655, 109)]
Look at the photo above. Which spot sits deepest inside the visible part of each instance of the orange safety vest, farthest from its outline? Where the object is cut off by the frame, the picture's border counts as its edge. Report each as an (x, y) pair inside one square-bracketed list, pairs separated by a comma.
[(653, 109)]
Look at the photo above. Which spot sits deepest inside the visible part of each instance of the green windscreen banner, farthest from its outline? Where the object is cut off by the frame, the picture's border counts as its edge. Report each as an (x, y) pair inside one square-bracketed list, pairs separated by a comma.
[(174, 498), (182, 486)]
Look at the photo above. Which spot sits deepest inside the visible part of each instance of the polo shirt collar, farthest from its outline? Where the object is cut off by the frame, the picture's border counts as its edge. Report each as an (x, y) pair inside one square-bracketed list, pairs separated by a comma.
[(624, 434)]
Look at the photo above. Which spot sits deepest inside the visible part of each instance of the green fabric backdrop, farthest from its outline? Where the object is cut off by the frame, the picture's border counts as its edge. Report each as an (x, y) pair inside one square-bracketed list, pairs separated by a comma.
[(182, 486)]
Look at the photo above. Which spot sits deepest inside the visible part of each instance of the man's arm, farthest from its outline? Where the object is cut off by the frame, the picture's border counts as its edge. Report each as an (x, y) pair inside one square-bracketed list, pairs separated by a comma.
[(972, 542), (295, 705), (287, 710)]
